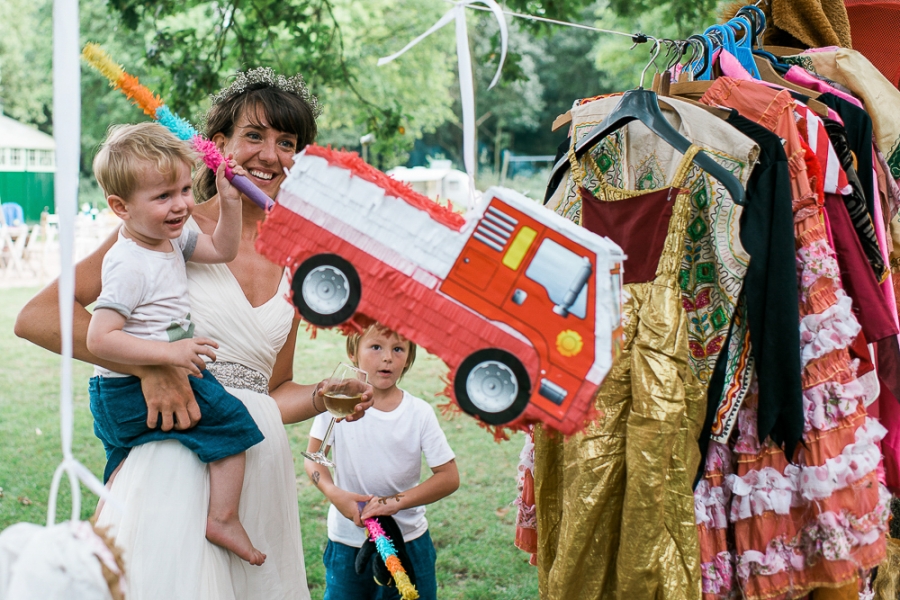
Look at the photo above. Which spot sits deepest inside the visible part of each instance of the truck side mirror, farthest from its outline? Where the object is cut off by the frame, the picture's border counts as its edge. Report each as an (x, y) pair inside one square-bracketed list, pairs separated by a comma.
[(562, 309)]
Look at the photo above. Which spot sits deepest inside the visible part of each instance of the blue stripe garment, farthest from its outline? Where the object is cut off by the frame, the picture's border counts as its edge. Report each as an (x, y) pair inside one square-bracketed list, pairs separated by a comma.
[(120, 420)]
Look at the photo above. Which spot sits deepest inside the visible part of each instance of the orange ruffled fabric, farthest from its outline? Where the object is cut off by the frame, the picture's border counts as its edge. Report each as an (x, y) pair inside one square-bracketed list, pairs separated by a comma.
[(769, 528)]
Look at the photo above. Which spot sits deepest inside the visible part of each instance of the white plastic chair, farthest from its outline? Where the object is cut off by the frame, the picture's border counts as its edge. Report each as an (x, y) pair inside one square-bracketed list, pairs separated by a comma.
[(12, 246)]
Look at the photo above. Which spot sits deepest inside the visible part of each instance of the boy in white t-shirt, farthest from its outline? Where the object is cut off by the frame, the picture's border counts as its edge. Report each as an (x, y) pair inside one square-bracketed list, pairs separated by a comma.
[(142, 316), (379, 461)]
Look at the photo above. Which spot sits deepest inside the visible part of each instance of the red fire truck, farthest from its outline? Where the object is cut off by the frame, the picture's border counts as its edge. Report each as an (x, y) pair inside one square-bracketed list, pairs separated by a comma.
[(520, 303)]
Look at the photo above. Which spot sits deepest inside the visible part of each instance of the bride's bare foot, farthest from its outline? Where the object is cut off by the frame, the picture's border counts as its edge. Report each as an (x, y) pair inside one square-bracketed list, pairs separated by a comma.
[(230, 534)]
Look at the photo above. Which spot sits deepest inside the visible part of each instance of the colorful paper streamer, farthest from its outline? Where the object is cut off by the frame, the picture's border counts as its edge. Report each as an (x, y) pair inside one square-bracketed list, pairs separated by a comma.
[(154, 107), (388, 554)]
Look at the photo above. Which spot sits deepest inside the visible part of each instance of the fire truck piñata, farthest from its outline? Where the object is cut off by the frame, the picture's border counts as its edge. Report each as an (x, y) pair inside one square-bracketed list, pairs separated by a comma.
[(521, 304)]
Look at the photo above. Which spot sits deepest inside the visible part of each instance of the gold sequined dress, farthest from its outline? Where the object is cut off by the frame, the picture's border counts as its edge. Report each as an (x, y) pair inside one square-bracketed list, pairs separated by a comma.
[(615, 511)]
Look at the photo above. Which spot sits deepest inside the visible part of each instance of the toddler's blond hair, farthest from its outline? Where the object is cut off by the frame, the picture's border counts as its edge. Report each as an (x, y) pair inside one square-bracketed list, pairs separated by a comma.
[(128, 149)]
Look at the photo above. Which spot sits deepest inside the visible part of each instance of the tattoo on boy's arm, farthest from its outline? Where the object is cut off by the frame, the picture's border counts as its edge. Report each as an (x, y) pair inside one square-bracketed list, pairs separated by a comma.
[(384, 499), (315, 477)]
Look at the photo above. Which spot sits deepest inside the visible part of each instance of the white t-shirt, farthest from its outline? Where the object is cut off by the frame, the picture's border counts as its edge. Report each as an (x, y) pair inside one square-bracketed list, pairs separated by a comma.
[(381, 454), (149, 289)]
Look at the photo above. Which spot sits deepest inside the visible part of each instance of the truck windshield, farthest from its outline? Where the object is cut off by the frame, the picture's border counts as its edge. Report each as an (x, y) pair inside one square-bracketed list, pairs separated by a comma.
[(555, 268)]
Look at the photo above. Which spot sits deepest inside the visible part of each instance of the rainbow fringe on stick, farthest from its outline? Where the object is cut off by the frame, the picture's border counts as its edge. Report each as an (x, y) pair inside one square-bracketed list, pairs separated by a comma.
[(154, 107), (389, 554)]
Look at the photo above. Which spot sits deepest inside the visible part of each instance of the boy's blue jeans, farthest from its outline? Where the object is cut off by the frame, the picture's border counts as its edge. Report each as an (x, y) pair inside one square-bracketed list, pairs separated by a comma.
[(342, 582)]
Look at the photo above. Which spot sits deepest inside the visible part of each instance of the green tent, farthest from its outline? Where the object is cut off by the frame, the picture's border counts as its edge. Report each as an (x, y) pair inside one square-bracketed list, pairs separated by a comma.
[(27, 166)]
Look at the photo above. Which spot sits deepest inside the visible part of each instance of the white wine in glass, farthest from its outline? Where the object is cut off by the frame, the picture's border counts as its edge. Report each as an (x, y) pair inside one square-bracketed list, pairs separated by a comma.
[(342, 391)]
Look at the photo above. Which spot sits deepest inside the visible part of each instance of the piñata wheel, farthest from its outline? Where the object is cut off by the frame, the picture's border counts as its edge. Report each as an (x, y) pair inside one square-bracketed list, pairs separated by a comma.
[(326, 290), (493, 385)]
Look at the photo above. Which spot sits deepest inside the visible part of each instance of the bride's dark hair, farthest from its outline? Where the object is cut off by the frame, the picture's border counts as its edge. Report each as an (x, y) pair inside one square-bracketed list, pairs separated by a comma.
[(286, 105)]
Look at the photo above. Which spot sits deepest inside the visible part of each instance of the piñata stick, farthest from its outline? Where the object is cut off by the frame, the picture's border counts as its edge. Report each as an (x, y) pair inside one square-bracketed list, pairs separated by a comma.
[(389, 555), (155, 108)]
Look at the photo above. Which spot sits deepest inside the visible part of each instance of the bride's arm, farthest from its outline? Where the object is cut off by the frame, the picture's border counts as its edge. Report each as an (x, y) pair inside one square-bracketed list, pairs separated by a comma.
[(166, 389), (38, 321), (295, 401), (301, 402)]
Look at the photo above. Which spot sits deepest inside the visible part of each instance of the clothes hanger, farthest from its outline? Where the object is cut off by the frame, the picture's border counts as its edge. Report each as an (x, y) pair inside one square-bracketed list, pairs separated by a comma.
[(723, 37), (757, 19), (699, 67), (662, 81), (563, 119), (643, 105), (566, 117), (664, 86), (743, 47), (696, 89), (766, 71), (784, 50)]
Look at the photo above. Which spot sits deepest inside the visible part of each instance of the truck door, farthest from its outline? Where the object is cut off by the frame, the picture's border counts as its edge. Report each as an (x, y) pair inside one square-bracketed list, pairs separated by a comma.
[(554, 293)]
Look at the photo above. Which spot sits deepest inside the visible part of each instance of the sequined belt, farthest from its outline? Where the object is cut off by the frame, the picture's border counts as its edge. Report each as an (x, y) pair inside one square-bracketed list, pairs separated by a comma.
[(236, 375)]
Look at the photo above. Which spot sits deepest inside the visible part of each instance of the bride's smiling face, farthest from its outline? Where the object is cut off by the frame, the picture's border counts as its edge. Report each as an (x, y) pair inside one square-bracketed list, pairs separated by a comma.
[(263, 151)]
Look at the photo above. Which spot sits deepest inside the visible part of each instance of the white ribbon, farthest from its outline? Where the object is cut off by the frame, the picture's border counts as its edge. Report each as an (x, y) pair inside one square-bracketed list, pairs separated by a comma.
[(67, 133), (466, 80)]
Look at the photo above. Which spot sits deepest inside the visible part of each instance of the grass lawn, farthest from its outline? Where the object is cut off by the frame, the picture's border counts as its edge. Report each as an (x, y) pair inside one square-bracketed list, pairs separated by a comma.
[(473, 529)]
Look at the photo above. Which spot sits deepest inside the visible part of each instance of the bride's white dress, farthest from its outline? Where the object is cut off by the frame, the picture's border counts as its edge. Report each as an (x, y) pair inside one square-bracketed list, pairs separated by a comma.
[(165, 488)]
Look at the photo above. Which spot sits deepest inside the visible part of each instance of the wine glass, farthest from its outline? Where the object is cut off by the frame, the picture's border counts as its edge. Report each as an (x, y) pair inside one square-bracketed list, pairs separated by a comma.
[(342, 391)]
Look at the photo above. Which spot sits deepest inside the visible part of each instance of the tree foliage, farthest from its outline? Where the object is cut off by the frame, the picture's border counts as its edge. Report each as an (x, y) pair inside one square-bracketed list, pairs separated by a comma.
[(681, 17), (26, 91), (620, 64), (186, 49), (333, 43)]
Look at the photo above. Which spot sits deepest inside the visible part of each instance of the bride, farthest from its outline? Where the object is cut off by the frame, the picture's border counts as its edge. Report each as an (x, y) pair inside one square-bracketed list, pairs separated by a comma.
[(263, 120)]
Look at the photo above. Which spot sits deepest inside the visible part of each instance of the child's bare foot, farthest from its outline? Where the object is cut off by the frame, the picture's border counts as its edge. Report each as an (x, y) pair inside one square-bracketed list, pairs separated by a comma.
[(230, 534)]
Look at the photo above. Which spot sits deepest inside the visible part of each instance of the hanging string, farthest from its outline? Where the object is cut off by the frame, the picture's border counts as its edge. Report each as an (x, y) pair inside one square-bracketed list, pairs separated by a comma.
[(637, 38), (457, 15), (67, 133)]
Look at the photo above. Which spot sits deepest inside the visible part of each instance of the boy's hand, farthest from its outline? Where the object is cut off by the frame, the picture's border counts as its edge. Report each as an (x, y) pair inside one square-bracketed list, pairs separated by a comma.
[(227, 192), (380, 506), (189, 353), (346, 503)]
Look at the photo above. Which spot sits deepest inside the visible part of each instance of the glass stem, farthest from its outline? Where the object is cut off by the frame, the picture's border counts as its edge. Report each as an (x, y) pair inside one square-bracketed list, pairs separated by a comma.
[(327, 436)]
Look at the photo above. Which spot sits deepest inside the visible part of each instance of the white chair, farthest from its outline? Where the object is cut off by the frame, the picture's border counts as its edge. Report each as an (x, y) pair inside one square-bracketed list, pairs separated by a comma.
[(13, 239), (34, 251), (42, 245)]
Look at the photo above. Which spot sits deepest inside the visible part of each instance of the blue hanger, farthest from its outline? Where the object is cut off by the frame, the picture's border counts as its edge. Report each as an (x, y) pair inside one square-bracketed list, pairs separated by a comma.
[(723, 36), (701, 63), (743, 49), (757, 19)]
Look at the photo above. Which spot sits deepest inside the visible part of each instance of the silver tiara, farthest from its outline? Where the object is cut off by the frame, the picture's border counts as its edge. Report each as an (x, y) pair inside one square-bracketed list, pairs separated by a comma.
[(266, 77)]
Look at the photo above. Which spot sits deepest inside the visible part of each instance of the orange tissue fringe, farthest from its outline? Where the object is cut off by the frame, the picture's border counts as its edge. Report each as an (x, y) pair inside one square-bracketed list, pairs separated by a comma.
[(139, 94)]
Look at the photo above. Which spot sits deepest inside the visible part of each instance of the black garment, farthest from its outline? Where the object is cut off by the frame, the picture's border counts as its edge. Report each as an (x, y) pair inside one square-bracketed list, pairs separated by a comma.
[(858, 125), (554, 182), (770, 294), (855, 201)]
